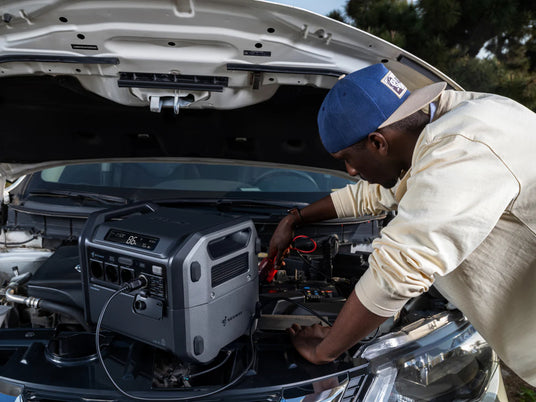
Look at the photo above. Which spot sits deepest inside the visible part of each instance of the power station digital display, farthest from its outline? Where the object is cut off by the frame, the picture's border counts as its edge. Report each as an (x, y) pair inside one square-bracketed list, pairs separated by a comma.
[(132, 239)]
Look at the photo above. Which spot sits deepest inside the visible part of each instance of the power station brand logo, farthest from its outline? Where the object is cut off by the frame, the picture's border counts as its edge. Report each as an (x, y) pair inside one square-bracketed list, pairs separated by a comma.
[(226, 319)]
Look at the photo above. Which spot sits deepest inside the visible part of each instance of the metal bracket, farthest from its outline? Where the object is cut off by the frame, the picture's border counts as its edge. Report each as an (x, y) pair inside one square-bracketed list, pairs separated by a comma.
[(256, 78), (176, 102)]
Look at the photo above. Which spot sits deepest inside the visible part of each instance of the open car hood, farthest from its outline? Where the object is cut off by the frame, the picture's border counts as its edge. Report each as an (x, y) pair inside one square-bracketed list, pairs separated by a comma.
[(239, 79)]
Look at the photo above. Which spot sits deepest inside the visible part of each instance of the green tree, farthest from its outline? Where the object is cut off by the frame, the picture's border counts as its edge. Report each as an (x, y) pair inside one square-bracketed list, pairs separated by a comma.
[(484, 45)]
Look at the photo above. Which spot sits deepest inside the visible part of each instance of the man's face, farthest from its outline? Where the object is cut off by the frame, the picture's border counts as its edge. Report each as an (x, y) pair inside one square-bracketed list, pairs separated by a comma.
[(369, 161)]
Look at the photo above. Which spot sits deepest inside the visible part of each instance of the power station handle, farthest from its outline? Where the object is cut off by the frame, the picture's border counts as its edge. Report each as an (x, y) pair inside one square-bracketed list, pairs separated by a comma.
[(107, 215)]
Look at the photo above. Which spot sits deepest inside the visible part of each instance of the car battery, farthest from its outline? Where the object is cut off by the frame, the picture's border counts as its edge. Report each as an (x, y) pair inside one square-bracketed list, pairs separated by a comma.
[(201, 272)]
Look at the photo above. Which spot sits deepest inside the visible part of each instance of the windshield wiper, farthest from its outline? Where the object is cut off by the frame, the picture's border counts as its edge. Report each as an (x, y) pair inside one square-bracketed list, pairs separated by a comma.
[(228, 204), (81, 195)]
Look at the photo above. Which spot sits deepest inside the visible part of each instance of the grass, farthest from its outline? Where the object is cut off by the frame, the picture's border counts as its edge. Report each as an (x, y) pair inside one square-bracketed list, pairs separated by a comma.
[(517, 389), (527, 395)]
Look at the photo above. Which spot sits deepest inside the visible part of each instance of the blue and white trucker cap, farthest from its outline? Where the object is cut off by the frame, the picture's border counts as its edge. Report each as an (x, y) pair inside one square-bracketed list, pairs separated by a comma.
[(366, 100)]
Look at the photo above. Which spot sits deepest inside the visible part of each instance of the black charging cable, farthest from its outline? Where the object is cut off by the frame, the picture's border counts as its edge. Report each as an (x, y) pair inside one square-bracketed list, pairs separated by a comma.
[(316, 314), (310, 310), (188, 377), (139, 283), (289, 300)]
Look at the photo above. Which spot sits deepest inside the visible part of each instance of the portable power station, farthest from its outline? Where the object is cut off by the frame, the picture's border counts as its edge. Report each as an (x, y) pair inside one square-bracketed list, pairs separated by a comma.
[(201, 272)]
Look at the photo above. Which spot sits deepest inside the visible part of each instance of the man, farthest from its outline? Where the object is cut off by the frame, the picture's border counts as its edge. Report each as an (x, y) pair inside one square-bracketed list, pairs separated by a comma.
[(462, 178)]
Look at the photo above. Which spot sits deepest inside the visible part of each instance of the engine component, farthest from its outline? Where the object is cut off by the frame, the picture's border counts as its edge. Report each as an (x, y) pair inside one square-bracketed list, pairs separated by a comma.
[(58, 279), (35, 302), (200, 267)]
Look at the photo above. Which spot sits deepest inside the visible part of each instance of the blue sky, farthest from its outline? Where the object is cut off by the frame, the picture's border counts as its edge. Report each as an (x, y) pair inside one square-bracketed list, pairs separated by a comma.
[(318, 6)]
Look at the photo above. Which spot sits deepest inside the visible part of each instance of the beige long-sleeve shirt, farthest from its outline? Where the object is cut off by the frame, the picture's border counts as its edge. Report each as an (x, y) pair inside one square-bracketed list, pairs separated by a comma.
[(466, 222)]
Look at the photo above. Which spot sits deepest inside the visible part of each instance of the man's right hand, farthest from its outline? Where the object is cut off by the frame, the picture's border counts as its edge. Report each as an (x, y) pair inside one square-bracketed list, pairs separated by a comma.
[(281, 239), (284, 233)]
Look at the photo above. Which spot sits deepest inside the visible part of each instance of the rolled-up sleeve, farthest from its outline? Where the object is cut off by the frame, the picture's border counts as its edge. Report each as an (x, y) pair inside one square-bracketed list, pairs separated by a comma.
[(457, 191), (363, 198)]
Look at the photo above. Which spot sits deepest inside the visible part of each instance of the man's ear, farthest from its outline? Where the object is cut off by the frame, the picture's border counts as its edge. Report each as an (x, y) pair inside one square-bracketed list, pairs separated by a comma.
[(378, 143)]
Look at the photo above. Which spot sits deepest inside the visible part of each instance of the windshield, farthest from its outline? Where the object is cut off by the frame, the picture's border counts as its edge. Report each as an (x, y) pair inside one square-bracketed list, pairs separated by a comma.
[(172, 179)]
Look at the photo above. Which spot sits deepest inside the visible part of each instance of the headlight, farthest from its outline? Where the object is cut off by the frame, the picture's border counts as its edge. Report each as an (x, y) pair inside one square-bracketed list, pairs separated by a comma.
[(441, 358), (333, 391)]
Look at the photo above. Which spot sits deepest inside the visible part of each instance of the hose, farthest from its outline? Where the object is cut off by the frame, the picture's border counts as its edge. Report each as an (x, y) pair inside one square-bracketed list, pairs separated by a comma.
[(71, 311), (54, 307)]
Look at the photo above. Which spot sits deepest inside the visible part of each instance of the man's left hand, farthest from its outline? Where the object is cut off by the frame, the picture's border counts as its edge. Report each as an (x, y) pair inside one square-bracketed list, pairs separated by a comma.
[(306, 339), (321, 345)]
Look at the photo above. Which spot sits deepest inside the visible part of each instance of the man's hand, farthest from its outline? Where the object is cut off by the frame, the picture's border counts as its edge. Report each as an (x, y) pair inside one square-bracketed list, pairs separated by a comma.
[(306, 339), (281, 239), (317, 211), (322, 345)]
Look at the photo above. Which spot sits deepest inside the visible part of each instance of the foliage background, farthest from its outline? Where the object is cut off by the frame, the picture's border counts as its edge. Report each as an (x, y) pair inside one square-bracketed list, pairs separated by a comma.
[(484, 45)]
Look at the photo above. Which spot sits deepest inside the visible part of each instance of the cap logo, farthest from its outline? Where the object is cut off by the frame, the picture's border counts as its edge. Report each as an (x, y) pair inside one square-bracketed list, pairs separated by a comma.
[(391, 82)]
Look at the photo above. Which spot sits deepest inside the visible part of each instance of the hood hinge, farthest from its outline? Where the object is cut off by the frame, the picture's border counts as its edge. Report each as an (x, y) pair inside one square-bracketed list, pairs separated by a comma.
[(5, 194)]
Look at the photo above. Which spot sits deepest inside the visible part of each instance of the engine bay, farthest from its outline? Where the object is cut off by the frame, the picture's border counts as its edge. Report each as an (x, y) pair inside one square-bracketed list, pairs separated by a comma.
[(50, 292)]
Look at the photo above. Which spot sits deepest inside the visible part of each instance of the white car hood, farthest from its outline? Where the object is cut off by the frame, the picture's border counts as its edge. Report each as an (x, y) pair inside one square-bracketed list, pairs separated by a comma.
[(187, 54)]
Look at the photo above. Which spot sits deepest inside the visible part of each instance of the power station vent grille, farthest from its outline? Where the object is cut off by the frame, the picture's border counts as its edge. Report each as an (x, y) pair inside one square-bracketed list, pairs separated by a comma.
[(229, 269)]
